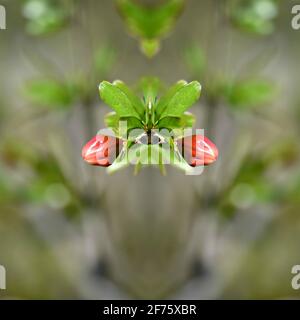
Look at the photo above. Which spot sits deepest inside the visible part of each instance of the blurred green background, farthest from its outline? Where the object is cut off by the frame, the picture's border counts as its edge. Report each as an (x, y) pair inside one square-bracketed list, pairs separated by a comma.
[(68, 230)]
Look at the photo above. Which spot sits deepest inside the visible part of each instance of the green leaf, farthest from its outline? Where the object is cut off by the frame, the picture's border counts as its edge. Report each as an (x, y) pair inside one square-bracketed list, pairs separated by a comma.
[(250, 93), (112, 120), (165, 99), (182, 100), (132, 123), (117, 100), (150, 87), (186, 121), (135, 100), (50, 93)]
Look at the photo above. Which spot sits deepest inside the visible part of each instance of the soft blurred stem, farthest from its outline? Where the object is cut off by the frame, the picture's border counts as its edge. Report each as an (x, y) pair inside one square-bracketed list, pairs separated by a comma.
[(137, 168), (162, 169)]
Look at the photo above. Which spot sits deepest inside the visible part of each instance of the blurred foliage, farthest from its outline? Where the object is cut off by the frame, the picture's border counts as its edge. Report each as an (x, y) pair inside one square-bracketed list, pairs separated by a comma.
[(46, 184), (254, 16), (34, 270), (50, 93), (249, 93), (54, 93), (243, 93), (195, 60), (104, 60), (46, 16), (150, 23), (251, 185), (264, 273), (254, 183)]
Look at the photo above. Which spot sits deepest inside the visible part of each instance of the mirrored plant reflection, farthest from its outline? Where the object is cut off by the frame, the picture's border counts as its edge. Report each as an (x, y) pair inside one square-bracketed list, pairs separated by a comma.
[(70, 230)]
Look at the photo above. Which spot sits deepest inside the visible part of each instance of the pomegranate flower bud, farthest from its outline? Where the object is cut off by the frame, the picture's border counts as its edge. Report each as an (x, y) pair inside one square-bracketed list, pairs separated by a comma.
[(101, 150), (197, 150)]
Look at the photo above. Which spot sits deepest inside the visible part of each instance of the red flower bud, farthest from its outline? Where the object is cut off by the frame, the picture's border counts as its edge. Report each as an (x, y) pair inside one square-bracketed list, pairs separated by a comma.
[(101, 150), (197, 150)]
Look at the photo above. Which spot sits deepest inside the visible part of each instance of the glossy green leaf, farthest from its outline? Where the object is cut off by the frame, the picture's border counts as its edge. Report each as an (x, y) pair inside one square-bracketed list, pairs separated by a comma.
[(186, 121), (165, 99), (182, 100), (117, 100), (112, 120), (135, 100), (150, 87)]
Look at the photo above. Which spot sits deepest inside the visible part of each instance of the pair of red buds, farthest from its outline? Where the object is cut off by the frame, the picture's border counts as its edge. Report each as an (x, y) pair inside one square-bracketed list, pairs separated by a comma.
[(197, 150)]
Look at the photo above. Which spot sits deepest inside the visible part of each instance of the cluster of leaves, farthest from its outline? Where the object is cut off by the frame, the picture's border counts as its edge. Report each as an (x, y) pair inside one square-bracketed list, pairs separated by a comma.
[(150, 23), (254, 16), (168, 111), (46, 16)]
